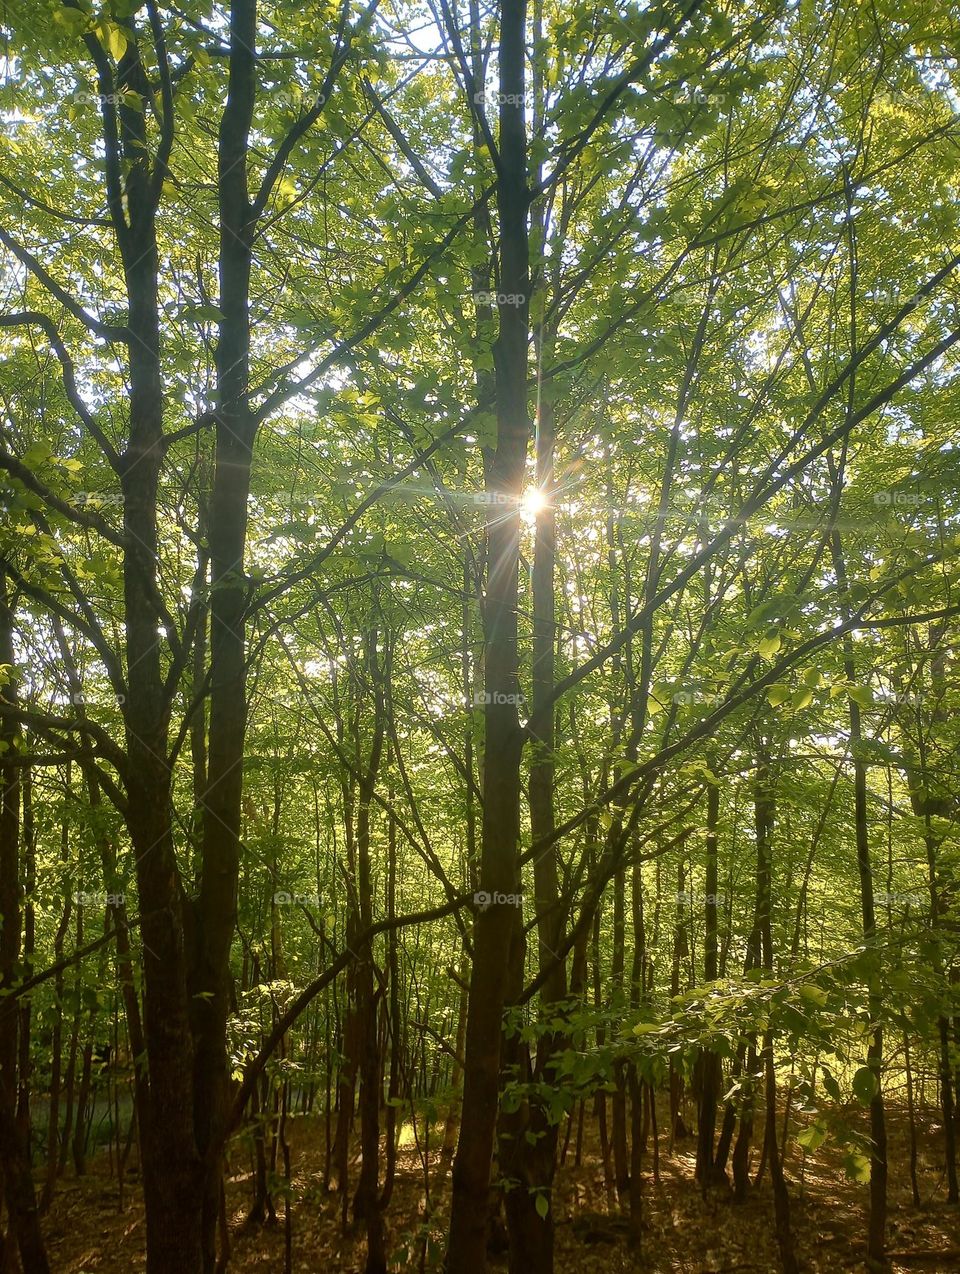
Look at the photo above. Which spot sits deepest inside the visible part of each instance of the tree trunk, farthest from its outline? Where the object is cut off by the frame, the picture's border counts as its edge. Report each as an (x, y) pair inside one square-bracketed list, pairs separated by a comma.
[(533, 1149), (216, 908), (927, 805), (876, 1234), (499, 874), (393, 1022), (56, 1043), (781, 1198), (18, 1186), (709, 1061), (452, 1123), (84, 1112), (763, 824), (171, 1165), (678, 1128), (618, 1105), (366, 1203)]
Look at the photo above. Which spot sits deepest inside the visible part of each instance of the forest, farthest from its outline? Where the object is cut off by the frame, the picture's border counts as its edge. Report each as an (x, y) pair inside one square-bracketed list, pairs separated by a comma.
[(479, 636)]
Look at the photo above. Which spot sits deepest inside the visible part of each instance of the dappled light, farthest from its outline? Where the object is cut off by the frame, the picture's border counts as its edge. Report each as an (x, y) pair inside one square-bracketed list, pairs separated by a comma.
[(479, 636)]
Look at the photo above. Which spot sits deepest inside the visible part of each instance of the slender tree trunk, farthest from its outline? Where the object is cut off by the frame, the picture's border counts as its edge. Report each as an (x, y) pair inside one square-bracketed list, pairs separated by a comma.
[(346, 1078), (499, 872), (781, 1197), (531, 1153), (348, 1024), (639, 1110), (171, 1165), (56, 1043), (393, 1022), (763, 822), (366, 1203), (876, 1235), (926, 805), (452, 1123), (618, 1105), (709, 1061), (24, 1062), (69, 1084), (600, 1096), (911, 1118), (678, 1128), (636, 1158), (261, 1209), (216, 909), (84, 1111), (18, 1188)]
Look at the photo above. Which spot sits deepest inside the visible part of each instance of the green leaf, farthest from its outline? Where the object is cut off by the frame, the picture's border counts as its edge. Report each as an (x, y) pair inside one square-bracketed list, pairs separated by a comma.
[(767, 647), (112, 36), (812, 1137), (542, 1205), (36, 455), (72, 20), (857, 1166), (813, 994), (201, 313), (864, 1085)]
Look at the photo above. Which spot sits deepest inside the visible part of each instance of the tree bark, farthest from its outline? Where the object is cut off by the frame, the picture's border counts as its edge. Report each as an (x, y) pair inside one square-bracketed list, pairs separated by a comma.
[(18, 1187), (499, 870), (171, 1164), (877, 1221), (709, 1061), (216, 907), (366, 1203)]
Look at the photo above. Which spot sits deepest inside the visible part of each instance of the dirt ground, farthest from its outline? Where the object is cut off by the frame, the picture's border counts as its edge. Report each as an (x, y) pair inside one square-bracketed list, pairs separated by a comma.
[(683, 1233)]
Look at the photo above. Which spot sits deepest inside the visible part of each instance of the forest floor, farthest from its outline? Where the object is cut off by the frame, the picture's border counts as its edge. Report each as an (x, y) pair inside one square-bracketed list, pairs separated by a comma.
[(682, 1234)]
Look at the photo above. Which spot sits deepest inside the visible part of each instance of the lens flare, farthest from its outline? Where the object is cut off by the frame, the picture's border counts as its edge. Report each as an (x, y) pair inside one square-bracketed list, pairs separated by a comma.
[(533, 502)]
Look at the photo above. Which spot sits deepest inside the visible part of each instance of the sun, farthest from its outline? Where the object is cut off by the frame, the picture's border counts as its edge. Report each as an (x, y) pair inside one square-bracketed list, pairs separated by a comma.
[(533, 502)]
